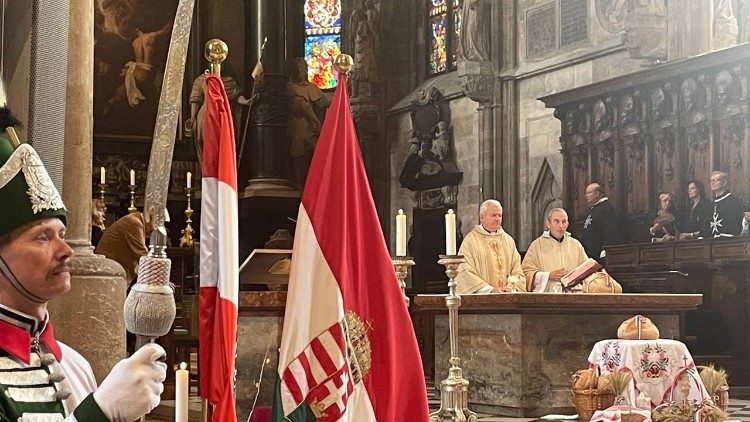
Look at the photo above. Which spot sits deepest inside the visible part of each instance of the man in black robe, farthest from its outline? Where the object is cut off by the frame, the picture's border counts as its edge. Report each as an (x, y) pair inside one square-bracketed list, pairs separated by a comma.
[(728, 208), (601, 227)]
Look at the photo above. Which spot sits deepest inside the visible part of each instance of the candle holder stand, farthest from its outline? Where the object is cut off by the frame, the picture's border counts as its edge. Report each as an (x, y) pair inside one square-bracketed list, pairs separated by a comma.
[(454, 389), (132, 208), (401, 265), (102, 191), (187, 232)]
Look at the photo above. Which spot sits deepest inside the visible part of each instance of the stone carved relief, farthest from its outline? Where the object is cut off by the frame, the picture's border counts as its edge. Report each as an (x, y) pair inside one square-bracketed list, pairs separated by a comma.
[(611, 14), (431, 162), (645, 30), (364, 40), (744, 14), (478, 87), (475, 34), (725, 25)]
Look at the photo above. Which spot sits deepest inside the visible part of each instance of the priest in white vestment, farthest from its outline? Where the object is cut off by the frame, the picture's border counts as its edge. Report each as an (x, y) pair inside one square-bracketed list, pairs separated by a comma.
[(552, 255), (493, 264)]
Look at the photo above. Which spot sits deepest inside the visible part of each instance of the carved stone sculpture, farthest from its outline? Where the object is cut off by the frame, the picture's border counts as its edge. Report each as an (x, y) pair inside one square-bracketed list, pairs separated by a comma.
[(725, 25), (645, 30), (365, 40), (475, 33)]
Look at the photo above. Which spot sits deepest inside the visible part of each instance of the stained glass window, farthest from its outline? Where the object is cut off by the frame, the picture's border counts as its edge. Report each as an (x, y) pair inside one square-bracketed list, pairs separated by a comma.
[(322, 40), (444, 28)]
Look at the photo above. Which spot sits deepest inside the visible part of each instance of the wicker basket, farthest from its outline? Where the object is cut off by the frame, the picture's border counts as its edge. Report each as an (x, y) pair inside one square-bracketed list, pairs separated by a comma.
[(587, 402), (722, 397)]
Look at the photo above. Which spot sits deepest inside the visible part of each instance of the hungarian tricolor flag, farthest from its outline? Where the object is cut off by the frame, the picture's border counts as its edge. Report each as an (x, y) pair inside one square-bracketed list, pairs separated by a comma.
[(348, 350), (219, 272)]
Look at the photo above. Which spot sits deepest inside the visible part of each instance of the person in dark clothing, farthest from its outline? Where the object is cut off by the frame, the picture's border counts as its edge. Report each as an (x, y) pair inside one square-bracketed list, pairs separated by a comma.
[(602, 226), (696, 220), (726, 219)]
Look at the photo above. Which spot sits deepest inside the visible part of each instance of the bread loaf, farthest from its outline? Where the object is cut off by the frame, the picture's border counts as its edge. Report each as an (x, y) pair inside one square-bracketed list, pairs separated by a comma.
[(638, 328)]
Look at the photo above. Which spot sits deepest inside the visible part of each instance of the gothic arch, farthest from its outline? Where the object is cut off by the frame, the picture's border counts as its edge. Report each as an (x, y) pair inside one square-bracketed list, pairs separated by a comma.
[(545, 195)]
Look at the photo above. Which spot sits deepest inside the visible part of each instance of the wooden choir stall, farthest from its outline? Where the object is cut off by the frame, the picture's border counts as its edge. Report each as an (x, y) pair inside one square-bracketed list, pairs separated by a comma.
[(652, 132)]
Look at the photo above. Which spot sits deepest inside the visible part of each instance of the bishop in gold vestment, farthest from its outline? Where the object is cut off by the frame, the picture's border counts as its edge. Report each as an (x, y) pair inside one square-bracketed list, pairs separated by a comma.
[(492, 260)]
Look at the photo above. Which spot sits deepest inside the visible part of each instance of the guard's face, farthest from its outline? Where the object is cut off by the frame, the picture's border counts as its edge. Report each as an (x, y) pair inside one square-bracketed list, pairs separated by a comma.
[(39, 258), (558, 224), (492, 219)]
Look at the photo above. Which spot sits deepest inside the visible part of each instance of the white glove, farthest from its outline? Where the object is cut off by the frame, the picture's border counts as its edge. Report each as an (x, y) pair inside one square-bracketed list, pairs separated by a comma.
[(134, 386)]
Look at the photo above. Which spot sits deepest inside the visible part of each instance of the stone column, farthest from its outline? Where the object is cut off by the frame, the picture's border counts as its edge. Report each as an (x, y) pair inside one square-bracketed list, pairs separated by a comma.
[(505, 115), (90, 317), (264, 162)]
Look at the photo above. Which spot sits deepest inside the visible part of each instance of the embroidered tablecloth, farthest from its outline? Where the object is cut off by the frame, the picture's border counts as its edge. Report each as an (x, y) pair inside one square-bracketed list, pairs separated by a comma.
[(662, 369)]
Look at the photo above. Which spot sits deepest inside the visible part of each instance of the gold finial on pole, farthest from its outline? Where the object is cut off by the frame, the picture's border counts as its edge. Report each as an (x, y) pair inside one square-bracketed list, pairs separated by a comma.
[(343, 63), (216, 52)]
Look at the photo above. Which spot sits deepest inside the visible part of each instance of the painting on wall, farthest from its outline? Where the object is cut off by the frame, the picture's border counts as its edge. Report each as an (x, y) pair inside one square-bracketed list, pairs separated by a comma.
[(130, 52)]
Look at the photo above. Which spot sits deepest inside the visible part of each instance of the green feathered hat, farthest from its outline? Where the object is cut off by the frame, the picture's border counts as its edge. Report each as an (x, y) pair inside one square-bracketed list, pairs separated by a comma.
[(26, 190)]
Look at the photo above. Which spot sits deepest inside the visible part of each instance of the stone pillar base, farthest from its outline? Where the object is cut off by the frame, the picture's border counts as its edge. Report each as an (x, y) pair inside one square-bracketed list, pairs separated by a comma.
[(90, 317)]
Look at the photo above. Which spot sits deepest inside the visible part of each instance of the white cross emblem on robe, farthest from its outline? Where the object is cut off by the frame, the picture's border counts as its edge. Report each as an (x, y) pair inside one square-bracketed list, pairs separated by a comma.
[(716, 223), (588, 222)]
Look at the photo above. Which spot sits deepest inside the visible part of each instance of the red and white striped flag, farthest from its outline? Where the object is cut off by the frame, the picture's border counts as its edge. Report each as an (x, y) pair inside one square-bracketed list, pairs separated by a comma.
[(348, 350), (219, 269)]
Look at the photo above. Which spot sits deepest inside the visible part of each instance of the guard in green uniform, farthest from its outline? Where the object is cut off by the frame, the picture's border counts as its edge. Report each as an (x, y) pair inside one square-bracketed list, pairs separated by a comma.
[(42, 379)]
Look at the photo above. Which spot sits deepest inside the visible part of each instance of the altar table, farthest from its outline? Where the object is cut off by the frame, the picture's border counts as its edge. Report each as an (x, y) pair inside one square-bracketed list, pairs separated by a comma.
[(519, 350), (662, 369)]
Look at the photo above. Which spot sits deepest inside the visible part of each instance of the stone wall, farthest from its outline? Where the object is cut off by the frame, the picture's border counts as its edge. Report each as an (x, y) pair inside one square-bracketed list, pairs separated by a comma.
[(465, 136), (557, 45)]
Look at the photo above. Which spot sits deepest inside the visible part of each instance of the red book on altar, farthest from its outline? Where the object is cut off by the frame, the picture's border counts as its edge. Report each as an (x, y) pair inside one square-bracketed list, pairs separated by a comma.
[(579, 273)]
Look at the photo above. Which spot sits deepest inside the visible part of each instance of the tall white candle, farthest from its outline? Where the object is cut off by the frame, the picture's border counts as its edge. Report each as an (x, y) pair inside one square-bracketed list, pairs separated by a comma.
[(132, 177), (401, 233), (182, 385), (102, 174), (189, 180), (450, 233)]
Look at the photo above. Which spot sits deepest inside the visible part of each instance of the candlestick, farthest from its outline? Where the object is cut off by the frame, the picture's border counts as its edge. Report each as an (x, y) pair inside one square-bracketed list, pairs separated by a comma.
[(189, 180), (454, 390), (103, 178), (132, 177), (132, 208), (181, 389), (102, 188), (400, 233), (450, 233), (401, 265), (187, 232)]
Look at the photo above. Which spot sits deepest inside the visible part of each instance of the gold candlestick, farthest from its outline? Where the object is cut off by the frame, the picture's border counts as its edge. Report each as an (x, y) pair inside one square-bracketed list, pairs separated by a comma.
[(454, 389), (401, 265), (132, 208), (187, 232), (102, 190)]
